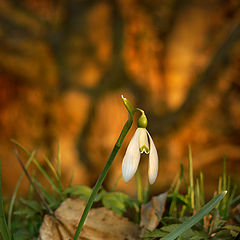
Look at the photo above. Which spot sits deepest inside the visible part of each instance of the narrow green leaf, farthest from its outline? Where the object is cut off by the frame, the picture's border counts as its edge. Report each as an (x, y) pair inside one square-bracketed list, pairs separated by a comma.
[(202, 189), (197, 196), (195, 218), (181, 171), (31, 182), (83, 191), (34, 205), (183, 211), (225, 186), (224, 234), (173, 205), (236, 199), (220, 184), (157, 233), (5, 233), (226, 200), (173, 184), (14, 195), (231, 197), (191, 181), (179, 197), (116, 201), (232, 227), (163, 231), (72, 178), (26, 212), (116, 183), (53, 202), (38, 166), (224, 177), (59, 162), (51, 167), (170, 228), (45, 174)]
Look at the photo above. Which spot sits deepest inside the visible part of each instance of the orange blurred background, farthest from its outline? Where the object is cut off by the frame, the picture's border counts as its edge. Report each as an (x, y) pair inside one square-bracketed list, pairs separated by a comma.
[(65, 64)]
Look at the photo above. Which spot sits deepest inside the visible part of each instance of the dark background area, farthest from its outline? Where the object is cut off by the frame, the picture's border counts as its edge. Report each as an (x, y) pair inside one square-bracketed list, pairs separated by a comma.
[(65, 64)]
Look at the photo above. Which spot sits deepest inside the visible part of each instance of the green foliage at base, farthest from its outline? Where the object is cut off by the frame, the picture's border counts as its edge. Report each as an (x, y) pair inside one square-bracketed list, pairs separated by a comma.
[(203, 220), (186, 216)]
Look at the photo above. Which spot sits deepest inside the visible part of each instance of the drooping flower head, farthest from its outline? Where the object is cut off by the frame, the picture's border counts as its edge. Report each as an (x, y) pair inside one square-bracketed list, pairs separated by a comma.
[(140, 143)]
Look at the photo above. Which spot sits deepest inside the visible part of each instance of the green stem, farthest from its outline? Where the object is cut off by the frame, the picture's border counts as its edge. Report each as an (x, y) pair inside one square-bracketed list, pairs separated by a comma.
[(139, 187), (102, 176)]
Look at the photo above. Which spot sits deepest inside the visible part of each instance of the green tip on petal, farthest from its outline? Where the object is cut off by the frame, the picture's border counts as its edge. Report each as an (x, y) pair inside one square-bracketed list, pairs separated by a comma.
[(128, 106), (144, 149), (142, 121)]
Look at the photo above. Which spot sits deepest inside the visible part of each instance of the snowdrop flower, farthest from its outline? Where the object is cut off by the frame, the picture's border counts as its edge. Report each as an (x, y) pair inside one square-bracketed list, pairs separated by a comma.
[(140, 144)]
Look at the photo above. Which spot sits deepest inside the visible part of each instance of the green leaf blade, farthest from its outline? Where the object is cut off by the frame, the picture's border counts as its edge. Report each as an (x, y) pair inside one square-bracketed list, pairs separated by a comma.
[(195, 218)]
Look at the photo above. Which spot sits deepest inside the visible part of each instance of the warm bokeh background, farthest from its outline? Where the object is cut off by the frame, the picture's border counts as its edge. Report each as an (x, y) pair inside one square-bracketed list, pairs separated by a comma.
[(65, 64)]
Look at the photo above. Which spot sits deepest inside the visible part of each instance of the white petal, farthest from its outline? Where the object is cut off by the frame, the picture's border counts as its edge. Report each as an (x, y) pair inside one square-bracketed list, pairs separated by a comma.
[(131, 158), (143, 141), (153, 162)]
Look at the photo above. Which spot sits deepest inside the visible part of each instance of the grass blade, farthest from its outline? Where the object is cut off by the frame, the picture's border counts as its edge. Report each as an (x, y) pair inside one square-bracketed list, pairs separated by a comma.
[(197, 196), (72, 178), (33, 185), (220, 184), (173, 206), (59, 161), (53, 202), (224, 175), (225, 186), (14, 195), (38, 166), (202, 189), (51, 167), (236, 199), (5, 233), (191, 181), (195, 218)]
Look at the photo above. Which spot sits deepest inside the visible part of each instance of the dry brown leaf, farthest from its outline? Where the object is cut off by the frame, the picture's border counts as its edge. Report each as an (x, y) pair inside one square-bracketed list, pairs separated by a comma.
[(152, 211), (100, 224)]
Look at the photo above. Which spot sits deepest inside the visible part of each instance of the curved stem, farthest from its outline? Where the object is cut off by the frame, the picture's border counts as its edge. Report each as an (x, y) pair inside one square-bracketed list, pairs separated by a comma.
[(103, 174)]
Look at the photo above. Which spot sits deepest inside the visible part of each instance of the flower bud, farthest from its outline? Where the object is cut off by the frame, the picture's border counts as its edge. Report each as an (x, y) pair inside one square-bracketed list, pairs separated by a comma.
[(128, 106), (142, 121)]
